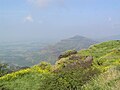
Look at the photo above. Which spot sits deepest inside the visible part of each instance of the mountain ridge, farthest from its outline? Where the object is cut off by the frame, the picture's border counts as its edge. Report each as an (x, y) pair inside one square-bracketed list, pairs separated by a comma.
[(76, 42)]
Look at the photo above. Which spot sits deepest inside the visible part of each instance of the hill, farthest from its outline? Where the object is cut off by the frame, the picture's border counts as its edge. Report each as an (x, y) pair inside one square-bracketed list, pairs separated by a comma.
[(51, 53), (95, 68)]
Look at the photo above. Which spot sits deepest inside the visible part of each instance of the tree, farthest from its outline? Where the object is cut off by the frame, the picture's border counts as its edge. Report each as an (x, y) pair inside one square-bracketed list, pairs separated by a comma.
[(3, 69)]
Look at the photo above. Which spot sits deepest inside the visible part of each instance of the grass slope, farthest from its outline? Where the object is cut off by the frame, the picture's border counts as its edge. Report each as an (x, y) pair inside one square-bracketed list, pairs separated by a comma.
[(67, 73)]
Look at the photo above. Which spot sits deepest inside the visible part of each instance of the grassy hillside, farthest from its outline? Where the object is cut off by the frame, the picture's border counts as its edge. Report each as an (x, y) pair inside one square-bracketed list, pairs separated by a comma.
[(96, 68), (109, 80)]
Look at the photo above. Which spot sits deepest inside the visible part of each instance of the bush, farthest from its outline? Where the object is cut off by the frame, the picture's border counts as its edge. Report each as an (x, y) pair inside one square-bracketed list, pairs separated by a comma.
[(45, 66), (3, 69), (67, 53)]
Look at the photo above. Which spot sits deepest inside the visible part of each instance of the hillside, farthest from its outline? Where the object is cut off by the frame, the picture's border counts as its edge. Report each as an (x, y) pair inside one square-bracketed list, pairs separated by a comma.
[(95, 68)]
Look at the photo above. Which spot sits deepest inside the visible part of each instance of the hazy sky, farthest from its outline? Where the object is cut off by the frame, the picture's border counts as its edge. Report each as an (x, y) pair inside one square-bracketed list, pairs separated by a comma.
[(50, 19)]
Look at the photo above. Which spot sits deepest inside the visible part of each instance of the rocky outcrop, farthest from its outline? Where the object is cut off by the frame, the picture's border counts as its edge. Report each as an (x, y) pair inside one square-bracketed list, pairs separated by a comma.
[(67, 53)]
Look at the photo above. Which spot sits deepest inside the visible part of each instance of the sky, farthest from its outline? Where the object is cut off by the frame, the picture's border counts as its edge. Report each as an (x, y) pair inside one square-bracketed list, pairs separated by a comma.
[(58, 19)]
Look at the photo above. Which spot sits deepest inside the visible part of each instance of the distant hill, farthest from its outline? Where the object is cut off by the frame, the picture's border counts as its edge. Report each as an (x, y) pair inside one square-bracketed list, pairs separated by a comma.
[(76, 42), (51, 53)]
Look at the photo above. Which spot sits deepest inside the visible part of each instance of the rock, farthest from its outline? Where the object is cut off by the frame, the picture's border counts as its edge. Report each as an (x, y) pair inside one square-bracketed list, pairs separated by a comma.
[(88, 61), (68, 53), (75, 57)]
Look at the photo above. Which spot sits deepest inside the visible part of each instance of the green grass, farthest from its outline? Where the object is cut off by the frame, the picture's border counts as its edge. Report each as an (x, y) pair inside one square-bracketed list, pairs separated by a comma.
[(109, 80), (28, 79)]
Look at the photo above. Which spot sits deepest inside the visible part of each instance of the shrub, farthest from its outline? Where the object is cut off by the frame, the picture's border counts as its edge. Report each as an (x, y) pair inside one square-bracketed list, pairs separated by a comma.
[(67, 53), (45, 66)]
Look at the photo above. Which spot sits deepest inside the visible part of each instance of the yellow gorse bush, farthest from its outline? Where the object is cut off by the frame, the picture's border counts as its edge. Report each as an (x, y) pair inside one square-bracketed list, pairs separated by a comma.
[(15, 74), (20, 73)]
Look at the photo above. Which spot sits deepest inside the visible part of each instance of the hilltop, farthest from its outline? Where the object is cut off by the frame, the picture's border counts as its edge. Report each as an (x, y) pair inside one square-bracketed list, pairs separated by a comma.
[(95, 68)]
